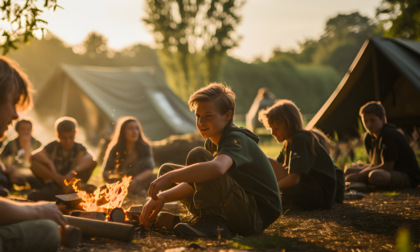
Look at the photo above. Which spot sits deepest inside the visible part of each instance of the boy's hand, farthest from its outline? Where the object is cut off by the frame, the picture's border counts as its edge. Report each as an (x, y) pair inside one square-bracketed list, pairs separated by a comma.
[(161, 183), (50, 211), (150, 211)]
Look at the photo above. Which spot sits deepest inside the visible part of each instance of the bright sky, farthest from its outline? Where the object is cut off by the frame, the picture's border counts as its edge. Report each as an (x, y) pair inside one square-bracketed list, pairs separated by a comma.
[(266, 24)]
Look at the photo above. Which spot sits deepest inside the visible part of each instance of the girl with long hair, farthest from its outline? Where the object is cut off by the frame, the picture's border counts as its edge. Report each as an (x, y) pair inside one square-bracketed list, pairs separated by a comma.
[(129, 153)]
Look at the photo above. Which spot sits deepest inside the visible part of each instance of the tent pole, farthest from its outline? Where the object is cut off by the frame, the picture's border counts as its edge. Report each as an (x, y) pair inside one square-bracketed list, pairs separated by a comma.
[(65, 98)]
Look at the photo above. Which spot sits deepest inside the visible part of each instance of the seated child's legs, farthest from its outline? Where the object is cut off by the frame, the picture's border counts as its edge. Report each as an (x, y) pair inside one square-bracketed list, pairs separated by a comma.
[(198, 155), (308, 194), (225, 198), (39, 235), (379, 177), (392, 179), (353, 169), (41, 171)]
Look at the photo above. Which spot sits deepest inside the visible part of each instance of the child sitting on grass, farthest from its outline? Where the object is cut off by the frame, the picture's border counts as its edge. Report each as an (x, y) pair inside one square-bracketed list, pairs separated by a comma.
[(392, 161), (129, 154), (304, 170), (60, 161), (229, 186)]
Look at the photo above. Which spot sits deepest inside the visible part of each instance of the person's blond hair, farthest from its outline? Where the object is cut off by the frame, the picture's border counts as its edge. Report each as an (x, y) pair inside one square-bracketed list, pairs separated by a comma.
[(283, 111), (222, 95)]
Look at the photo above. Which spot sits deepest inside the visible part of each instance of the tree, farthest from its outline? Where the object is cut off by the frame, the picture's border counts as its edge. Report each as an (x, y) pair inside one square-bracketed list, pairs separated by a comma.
[(192, 37), (21, 19), (95, 44), (400, 18), (343, 36)]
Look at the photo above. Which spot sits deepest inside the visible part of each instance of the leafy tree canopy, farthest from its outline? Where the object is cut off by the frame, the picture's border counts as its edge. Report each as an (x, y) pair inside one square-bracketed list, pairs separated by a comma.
[(20, 20), (192, 38), (400, 18)]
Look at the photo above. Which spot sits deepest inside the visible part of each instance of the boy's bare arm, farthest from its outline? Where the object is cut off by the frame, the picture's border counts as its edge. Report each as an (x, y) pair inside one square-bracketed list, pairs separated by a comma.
[(194, 173), (42, 157), (85, 163), (13, 212), (290, 180), (279, 170)]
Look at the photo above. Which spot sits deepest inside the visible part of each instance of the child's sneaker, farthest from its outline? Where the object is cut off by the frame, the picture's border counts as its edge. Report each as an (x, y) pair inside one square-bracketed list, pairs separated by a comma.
[(357, 186), (208, 226)]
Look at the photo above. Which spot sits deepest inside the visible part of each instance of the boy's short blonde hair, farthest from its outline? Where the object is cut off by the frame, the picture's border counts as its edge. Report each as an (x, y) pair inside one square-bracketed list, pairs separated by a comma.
[(65, 124), (217, 92)]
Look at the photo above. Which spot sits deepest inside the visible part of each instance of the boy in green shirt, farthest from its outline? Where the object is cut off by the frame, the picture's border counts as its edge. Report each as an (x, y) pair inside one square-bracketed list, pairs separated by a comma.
[(229, 186)]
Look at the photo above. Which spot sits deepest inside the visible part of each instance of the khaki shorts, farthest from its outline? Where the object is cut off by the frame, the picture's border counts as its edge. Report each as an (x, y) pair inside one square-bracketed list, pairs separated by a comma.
[(399, 180)]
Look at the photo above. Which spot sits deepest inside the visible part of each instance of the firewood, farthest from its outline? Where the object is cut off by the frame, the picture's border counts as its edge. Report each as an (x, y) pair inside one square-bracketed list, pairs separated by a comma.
[(117, 215), (89, 215), (97, 228)]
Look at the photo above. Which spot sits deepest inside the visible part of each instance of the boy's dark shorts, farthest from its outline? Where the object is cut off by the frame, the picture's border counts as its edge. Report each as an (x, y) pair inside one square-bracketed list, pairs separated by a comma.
[(400, 180)]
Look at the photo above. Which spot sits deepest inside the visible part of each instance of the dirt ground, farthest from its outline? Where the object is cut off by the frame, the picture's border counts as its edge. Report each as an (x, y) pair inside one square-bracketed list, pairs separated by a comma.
[(369, 224)]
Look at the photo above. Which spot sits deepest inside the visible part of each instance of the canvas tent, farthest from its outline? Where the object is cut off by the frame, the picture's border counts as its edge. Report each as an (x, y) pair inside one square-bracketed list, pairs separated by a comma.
[(386, 70), (97, 96)]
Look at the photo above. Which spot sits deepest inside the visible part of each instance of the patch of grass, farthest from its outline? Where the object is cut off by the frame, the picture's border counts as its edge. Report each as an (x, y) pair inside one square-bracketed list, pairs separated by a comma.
[(257, 242), (391, 193), (271, 149)]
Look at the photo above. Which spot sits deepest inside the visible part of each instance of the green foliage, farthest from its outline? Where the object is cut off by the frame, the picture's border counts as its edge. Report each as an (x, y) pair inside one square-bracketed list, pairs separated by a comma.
[(258, 242), (41, 58), (192, 39), (95, 45), (282, 76), (400, 18), (20, 20), (343, 36)]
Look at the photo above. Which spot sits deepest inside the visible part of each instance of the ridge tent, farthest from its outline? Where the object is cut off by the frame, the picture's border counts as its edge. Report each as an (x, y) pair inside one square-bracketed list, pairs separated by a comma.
[(386, 70), (97, 96)]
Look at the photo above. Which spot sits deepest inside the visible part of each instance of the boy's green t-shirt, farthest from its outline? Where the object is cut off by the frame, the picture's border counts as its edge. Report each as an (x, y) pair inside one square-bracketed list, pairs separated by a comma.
[(251, 169)]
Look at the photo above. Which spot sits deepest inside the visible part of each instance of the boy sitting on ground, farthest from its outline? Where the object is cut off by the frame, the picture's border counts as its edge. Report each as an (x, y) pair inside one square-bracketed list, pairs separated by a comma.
[(17, 153), (229, 186), (61, 161), (392, 161)]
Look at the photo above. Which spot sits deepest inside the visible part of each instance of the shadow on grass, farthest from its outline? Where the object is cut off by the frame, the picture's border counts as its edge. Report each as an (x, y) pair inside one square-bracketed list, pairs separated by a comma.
[(271, 242), (366, 220)]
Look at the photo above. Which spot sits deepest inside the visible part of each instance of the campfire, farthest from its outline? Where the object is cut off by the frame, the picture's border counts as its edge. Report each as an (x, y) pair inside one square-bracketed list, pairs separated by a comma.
[(103, 199), (100, 214)]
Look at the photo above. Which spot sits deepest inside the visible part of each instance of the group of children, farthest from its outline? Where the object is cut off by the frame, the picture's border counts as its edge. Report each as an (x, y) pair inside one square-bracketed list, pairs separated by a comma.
[(230, 186)]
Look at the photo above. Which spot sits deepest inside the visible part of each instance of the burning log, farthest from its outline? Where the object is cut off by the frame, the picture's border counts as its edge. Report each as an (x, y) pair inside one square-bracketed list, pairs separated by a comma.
[(117, 215), (68, 202), (133, 214), (71, 236), (90, 215), (97, 228)]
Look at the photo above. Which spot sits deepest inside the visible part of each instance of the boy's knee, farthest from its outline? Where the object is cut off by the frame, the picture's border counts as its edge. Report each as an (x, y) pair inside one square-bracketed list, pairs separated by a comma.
[(52, 234), (165, 168), (197, 155), (379, 178), (47, 237)]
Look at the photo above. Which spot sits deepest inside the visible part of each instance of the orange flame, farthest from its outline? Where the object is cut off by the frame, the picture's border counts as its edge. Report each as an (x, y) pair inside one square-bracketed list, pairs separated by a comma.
[(105, 198)]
